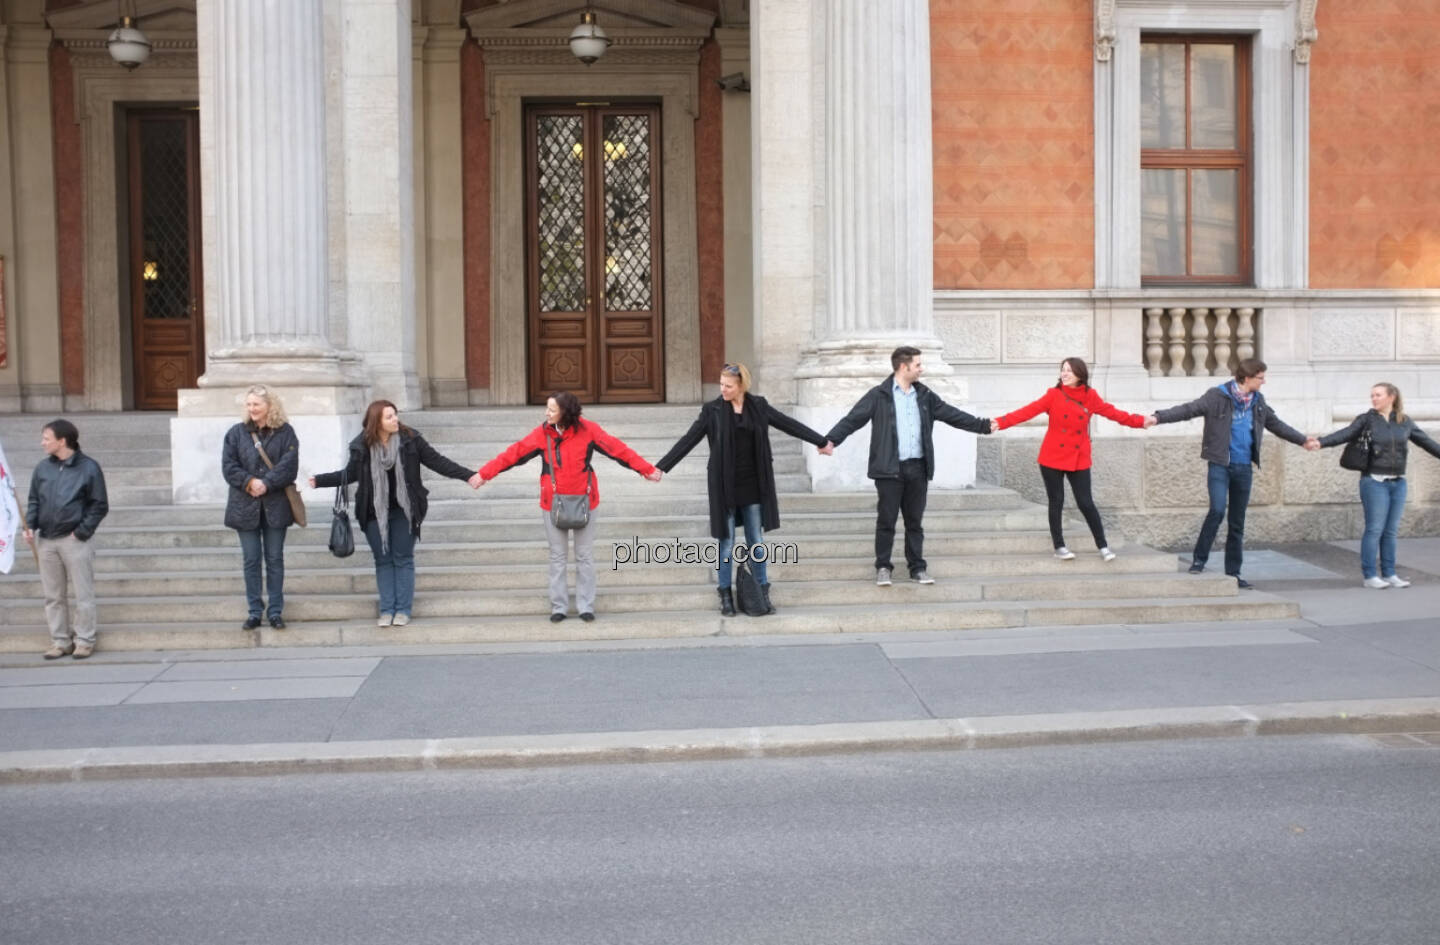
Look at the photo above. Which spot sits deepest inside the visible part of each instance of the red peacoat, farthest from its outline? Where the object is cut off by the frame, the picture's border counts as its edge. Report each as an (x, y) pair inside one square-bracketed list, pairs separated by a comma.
[(1067, 441)]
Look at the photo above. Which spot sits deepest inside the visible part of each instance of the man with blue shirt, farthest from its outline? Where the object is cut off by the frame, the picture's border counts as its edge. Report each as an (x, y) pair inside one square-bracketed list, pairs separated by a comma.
[(902, 455), (1236, 416)]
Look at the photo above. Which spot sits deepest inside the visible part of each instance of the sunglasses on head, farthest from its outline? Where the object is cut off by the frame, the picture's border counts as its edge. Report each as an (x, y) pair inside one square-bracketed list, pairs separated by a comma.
[(731, 369)]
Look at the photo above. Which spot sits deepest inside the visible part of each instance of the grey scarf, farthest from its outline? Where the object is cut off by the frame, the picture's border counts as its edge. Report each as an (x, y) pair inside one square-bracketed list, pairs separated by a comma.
[(384, 458)]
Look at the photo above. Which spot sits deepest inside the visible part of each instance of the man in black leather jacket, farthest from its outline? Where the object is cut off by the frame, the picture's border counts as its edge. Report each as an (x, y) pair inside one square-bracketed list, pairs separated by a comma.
[(67, 502), (902, 455)]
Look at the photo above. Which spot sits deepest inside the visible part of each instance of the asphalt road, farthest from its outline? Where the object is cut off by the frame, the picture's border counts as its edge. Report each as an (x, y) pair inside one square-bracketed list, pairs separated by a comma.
[(1275, 841)]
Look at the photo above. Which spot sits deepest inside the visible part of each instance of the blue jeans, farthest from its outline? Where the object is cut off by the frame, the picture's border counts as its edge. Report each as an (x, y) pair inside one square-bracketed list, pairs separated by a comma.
[(268, 543), (395, 568), (754, 535), (1383, 502), (1230, 483)]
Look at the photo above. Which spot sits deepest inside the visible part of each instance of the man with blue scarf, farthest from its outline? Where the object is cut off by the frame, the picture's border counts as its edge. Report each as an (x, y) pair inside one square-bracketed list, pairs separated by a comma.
[(1236, 416)]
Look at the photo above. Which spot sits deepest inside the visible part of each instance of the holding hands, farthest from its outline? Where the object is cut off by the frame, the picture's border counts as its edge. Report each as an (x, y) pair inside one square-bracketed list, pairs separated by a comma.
[(1150, 421), (256, 488), (654, 476), (475, 481), (1312, 443), (827, 450)]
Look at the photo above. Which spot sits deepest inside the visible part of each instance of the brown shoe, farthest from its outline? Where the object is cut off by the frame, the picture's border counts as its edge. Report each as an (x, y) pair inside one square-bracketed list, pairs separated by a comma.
[(83, 650), (56, 651)]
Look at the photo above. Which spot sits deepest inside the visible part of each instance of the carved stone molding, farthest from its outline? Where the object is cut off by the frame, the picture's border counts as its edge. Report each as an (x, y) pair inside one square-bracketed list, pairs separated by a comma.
[(1305, 32), (1104, 29)]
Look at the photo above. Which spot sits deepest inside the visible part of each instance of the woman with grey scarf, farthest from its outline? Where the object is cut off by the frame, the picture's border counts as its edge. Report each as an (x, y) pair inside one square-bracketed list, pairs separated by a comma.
[(390, 501)]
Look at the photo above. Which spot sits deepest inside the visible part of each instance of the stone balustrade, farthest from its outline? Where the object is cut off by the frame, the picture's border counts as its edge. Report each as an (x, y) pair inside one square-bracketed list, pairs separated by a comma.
[(1198, 341)]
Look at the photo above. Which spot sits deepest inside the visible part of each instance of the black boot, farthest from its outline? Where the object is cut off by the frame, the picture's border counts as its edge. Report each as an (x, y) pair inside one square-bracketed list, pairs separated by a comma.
[(765, 595), (727, 602)]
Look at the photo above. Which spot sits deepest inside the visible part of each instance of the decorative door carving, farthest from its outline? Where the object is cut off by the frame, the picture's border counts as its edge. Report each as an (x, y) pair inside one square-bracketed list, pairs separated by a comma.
[(167, 324), (593, 254)]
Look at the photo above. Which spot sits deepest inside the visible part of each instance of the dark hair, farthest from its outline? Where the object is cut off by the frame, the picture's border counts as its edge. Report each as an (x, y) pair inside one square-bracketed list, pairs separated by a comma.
[(1081, 372), (903, 355), (64, 430), (371, 427), (1249, 368), (569, 406)]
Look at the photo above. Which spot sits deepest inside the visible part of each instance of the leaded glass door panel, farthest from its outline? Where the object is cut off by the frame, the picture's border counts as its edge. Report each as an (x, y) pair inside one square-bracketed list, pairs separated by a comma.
[(167, 328), (593, 253)]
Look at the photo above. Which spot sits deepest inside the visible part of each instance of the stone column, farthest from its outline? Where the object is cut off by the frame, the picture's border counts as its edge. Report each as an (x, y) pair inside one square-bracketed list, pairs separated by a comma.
[(264, 216), (376, 100), (877, 223)]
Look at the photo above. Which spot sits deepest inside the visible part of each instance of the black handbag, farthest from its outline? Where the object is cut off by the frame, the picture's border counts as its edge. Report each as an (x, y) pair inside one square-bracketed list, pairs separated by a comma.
[(749, 598), (1356, 454), (566, 511), (342, 538)]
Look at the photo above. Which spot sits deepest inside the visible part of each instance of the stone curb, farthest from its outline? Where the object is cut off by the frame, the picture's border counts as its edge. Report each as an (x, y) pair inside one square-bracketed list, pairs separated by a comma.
[(1361, 716)]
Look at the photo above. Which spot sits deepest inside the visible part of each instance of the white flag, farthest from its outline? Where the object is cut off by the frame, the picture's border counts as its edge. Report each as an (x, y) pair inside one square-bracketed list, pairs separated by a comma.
[(9, 515)]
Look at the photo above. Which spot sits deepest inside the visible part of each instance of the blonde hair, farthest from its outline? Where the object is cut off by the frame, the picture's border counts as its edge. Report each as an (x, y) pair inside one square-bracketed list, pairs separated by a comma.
[(274, 410), (1393, 391), (740, 372)]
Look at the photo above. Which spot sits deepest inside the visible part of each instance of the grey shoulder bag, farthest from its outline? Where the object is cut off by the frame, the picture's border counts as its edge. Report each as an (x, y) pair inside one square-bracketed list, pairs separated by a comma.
[(566, 511)]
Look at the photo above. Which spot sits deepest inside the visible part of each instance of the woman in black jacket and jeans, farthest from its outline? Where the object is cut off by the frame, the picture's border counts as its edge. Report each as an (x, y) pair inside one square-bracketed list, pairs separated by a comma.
[(257, 507), (390, 500), (741, 474), (1382, 483)]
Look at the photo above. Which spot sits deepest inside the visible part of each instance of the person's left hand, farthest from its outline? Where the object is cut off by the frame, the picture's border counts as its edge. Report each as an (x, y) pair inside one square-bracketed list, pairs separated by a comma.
[(654, 476), (257, 488), (475, 481), (1312, 443), (827, 450)]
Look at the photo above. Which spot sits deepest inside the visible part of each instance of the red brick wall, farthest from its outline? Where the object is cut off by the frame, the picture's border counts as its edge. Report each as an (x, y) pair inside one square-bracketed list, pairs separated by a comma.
[(1374, 143), (70, 221), (710, 213), (1013, 106), (475, 135)]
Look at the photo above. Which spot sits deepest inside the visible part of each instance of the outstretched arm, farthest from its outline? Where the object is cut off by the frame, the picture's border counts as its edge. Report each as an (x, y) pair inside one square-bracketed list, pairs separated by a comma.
[(788, 424), (1423, 440), (1014, 417), (684, 445), (859, 415), (441, 464), (521, 451), (616, 449), (956, 417)]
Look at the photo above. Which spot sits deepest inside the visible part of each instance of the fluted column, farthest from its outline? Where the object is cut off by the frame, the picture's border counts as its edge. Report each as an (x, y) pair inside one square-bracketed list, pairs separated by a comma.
[(877, 223), (879, 206), (265, 209), (264, 189)]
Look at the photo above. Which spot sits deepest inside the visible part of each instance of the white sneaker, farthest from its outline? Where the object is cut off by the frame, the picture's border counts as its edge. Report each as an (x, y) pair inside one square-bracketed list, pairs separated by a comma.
[(385, 620), (1378, 584), (401, 620), (882, 577), (1064, 554), (1396, 580), (1106, 554)]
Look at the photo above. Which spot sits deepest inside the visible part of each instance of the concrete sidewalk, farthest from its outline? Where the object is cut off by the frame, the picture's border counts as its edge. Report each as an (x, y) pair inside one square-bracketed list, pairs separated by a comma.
[(1357, 660)]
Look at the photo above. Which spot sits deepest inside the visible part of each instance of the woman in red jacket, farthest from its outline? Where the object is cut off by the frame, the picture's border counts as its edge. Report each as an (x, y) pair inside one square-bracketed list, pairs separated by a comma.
[(565, 444), (1065, 451)]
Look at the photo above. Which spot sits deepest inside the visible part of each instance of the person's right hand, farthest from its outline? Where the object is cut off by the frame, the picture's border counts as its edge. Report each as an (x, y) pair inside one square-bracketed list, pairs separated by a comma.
[(1150, 421), (29, 536)]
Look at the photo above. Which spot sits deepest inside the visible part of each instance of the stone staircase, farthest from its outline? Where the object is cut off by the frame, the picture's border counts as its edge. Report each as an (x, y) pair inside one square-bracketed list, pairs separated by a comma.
[(168, 577)]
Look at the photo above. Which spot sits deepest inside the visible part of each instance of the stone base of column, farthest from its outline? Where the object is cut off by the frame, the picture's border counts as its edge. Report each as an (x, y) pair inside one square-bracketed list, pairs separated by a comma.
[(834, 375), (324, 394)]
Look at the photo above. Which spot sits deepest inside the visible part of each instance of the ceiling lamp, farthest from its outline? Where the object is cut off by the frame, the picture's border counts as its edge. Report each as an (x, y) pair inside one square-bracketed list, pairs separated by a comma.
[(587, 40), (128, 46)]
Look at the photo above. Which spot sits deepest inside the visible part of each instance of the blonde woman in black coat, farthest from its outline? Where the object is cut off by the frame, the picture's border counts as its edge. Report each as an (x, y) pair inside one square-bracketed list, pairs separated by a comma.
[(741, 473), (257, 507)]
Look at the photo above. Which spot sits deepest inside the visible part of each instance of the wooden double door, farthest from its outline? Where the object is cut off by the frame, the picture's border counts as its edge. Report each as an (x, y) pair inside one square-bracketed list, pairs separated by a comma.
[(593, 253), (167, 330)]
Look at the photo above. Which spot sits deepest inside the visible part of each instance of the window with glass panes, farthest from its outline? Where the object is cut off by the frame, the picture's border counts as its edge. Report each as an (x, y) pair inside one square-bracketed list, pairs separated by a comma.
[(1195, 160)]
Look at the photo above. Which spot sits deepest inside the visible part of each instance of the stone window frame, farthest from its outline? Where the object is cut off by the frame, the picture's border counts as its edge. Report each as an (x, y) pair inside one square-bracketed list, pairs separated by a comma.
[(1280, 110)]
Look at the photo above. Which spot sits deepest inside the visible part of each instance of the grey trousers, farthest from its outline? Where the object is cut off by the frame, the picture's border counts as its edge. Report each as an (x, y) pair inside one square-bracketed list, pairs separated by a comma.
[(584, 566), (61, 558)]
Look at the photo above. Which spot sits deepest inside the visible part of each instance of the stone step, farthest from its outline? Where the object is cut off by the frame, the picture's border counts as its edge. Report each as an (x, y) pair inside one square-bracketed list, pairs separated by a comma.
[(318, 503), (482, 520), (146, 635), (357, 576), (125, 456), (533, 552), (620, 599)]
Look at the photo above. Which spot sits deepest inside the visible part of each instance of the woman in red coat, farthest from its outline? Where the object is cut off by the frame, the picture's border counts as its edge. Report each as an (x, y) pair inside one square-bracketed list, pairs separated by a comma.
[(1065, 451), (566, 445)]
